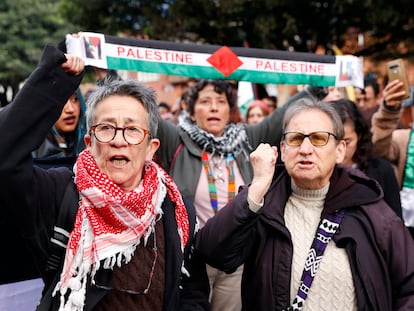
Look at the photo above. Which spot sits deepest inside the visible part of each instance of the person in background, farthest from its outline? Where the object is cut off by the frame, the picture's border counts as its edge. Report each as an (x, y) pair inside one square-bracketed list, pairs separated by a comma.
[(165, 111), (396, 145), (64, 141), (207, 156), (256, 112), (115, 233), (333, 93), (179, 110), (369, 98), (359, 153), (312, 234), (271, 102)]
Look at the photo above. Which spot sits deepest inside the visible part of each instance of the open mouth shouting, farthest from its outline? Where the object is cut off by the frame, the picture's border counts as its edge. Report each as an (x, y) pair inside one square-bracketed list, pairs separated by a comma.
[(119, 161)]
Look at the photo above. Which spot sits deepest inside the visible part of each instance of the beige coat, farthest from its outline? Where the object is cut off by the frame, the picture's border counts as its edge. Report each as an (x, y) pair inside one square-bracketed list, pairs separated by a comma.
[(389, 142)]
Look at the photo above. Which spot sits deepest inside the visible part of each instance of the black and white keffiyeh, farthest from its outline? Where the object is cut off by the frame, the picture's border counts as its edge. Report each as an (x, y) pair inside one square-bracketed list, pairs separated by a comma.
[(233, 141)]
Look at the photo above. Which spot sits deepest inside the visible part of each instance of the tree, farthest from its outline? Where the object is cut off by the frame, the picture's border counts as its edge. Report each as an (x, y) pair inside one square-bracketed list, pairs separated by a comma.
[(112, 17), (299, 25), (25, 27)]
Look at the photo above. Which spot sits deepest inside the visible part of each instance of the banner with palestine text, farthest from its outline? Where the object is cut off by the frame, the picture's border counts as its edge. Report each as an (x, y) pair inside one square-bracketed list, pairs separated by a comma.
[(205, 61)]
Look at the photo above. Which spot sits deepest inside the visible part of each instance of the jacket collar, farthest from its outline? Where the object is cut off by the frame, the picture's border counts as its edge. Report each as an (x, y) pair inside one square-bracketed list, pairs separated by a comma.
[(348, 187), (192, 147)]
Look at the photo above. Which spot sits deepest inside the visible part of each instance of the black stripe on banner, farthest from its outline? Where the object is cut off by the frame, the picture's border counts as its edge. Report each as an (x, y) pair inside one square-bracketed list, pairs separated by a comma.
[(210, 49)]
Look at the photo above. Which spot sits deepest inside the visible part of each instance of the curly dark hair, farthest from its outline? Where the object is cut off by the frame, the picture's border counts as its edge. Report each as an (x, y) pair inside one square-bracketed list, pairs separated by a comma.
[(349, 112), (220, 86)]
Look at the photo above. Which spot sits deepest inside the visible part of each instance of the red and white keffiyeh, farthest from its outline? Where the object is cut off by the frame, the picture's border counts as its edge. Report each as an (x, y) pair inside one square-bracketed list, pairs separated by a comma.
[(110, 223)]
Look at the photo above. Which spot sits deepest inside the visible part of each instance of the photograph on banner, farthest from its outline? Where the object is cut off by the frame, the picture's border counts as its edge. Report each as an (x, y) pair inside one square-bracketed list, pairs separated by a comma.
[(88, 45)]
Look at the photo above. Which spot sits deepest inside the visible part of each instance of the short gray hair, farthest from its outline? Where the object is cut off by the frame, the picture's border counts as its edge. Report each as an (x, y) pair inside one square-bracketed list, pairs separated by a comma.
[(131, 88), (306, 103)]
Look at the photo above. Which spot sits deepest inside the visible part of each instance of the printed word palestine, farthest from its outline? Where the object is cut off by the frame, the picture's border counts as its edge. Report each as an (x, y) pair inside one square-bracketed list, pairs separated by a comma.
[(289, 67), (155, 55)]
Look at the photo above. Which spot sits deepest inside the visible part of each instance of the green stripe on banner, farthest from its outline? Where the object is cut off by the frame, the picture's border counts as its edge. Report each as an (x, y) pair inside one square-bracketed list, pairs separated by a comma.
[(215, 62), (283, 78), (212, 73), (409, 164), (165, 68)]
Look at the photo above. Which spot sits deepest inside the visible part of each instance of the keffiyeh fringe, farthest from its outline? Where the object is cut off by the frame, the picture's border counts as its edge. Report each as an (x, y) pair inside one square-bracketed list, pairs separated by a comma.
[(105, 213)]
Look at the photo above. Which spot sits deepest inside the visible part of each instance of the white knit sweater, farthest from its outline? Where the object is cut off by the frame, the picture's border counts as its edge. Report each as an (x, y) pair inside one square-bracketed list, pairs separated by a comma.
[(332, 287)]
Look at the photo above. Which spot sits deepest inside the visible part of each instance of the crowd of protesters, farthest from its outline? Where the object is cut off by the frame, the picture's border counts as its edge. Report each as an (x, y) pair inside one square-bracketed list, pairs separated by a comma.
[(188, 163)]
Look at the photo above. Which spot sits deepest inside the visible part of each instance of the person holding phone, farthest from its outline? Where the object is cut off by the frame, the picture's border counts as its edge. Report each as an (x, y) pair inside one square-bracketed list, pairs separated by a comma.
[(396, 145)]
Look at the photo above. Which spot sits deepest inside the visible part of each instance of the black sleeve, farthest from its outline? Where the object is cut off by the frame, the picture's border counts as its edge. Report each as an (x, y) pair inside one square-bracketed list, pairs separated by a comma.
[(29, 194), (382, 171), (195, 285)]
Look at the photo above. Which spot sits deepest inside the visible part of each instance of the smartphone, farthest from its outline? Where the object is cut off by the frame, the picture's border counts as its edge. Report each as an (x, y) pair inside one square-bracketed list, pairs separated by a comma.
[(396, 70)]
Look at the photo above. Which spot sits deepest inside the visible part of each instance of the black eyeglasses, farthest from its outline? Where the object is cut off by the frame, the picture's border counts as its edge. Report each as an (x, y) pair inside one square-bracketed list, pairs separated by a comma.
[(131, 291), (105, 133), (318, 139)]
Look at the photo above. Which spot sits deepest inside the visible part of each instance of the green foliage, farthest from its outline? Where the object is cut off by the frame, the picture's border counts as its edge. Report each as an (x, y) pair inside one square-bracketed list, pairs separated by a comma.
[(297, 25), (274, 24), (112, 17), (25, 27)]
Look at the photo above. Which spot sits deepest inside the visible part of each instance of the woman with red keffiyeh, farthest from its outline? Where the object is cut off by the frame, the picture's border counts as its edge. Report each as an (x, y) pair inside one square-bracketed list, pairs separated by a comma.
[(127, 228)]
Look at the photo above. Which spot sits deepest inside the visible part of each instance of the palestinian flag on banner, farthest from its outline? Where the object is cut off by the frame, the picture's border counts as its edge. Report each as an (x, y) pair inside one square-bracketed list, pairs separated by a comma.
[(215, 62)]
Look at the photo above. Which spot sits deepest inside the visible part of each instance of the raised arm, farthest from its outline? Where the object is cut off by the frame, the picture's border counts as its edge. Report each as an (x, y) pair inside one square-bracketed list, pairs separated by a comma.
[(386, 119), (227, 239), (26, 121), (24, 124)]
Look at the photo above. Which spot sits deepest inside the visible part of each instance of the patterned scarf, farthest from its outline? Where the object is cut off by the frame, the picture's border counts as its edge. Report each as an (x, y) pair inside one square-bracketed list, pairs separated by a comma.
[(407, 191), (232, 141), (110, 224)]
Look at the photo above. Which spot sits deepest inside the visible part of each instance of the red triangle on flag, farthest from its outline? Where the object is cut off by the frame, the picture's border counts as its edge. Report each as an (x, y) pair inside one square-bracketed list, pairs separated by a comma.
[(95, 40), (225, 60)]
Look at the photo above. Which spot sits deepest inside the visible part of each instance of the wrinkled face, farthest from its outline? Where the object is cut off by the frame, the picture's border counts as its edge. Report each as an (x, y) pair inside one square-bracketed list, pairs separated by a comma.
[(211, 111), (309, 166), (122, 162), (69, 117), (255, 115), (351, 140)]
